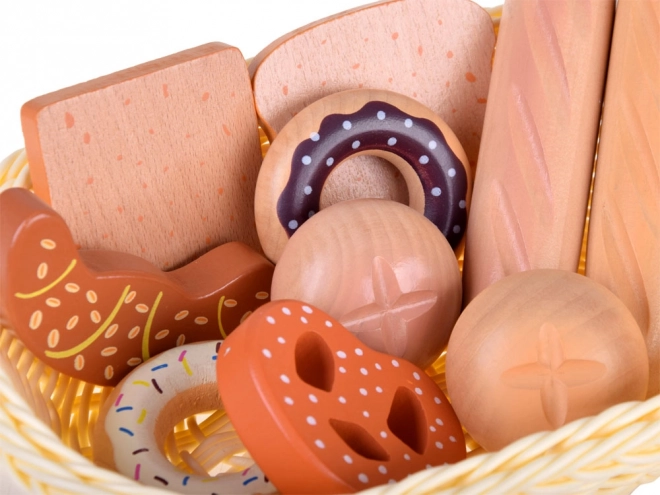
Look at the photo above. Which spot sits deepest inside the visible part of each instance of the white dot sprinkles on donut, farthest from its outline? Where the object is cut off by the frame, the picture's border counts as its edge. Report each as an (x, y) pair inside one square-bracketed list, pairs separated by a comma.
[(365, 414), (406, 457), (293, 225), (437, 401), (395, 363), (451, 172), (341, 354), (342, 399), (36, 319), (391, 482), (281, 340), (330, 161), (270, 320), (383, 434), (391, 141), (418, 391), (461, 204), (432, 428), (423, 159), (288, 400), (313, 398), (328, 323), (416, 375), (303, 319), (438, 421), (433, 145), (285, 379), (452, 439), (311, 214), (436, 191), (378, 366), (363, 478), (314, 136), (381, 115), (319, 444), (408, 123), (311, 420), (347, 459), (382, 469), (307, 310), (347, 125), (359, 351), (379, 390), (286, 311), (342, 369), (363, 391), (306, 160), (439, 445), (308, 190), (456, 229), (355, 145), (364, 371), (267, 353)]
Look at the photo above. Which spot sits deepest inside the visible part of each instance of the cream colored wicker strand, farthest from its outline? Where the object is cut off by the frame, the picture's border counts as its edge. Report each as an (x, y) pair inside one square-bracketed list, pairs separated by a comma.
[(624, 439), (14, 171)]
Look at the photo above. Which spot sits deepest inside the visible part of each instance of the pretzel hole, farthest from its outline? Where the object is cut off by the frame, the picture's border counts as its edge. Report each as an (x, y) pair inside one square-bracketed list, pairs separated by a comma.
[(407, 420), (314, 362), (359, 440)]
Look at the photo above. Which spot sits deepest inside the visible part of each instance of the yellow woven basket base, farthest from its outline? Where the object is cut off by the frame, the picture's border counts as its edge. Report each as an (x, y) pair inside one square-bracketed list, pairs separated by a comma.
[(46, 420)]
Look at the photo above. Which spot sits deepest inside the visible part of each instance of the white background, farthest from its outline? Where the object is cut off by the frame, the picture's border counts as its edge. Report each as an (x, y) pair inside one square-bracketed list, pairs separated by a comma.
[(48, 45)]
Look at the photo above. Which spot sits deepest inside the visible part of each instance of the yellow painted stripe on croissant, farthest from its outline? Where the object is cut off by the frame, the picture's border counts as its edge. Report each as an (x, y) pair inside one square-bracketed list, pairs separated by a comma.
[(222, 330), (90, 340), (147, 327), (43, 290)]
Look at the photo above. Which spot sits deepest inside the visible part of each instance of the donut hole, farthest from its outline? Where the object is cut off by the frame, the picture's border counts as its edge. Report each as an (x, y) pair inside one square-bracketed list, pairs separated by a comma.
[(407, 420), (359, 440), (199, 438), (365, 176), (315, 364)]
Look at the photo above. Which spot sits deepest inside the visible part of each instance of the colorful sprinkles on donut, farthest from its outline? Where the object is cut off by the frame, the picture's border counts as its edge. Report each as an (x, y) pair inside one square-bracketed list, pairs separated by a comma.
[(383, 127)]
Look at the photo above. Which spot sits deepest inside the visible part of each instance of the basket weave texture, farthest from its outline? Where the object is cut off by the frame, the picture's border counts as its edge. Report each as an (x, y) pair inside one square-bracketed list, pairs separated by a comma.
[(46, 420)]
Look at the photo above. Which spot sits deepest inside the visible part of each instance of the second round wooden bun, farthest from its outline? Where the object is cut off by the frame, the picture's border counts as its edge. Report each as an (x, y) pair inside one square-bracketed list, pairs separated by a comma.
[(538, 350), (382, 269)]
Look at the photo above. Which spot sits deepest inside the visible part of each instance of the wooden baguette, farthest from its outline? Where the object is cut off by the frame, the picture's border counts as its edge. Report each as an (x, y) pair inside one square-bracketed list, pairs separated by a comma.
[(539, 138), (624, 236)]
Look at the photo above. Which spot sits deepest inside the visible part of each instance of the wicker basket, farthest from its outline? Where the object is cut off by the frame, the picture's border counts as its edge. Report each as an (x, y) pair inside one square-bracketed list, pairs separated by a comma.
[(46, 419)]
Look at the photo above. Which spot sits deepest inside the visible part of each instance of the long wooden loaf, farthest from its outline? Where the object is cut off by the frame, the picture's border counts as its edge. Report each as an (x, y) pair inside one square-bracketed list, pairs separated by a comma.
[(535, 163), (624, 236)]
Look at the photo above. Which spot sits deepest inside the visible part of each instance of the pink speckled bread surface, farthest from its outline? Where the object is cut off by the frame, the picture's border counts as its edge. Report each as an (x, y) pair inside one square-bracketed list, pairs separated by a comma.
[(532, 183), (159, 160), (624, 235)]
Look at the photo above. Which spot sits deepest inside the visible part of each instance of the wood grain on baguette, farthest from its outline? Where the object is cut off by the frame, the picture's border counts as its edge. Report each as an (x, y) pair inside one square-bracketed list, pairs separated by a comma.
[(159, 160), (436, 51), (539, 140), (623, 250)]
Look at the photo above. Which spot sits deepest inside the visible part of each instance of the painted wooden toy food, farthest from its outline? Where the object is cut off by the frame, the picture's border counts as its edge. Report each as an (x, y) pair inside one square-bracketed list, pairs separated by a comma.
[(539, 140), (159, 160), (624, 235), (95, 315), (381, 123), (302, 392), (383, 270), (538, 350), (435, 51), (144, 408)]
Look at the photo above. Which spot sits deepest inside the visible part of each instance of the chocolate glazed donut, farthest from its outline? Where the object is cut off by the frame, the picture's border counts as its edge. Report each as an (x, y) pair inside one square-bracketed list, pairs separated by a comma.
[(342, 125)]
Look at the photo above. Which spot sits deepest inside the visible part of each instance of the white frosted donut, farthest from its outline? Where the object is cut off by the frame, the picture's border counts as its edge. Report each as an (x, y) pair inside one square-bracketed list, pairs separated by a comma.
[(137, 417)]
